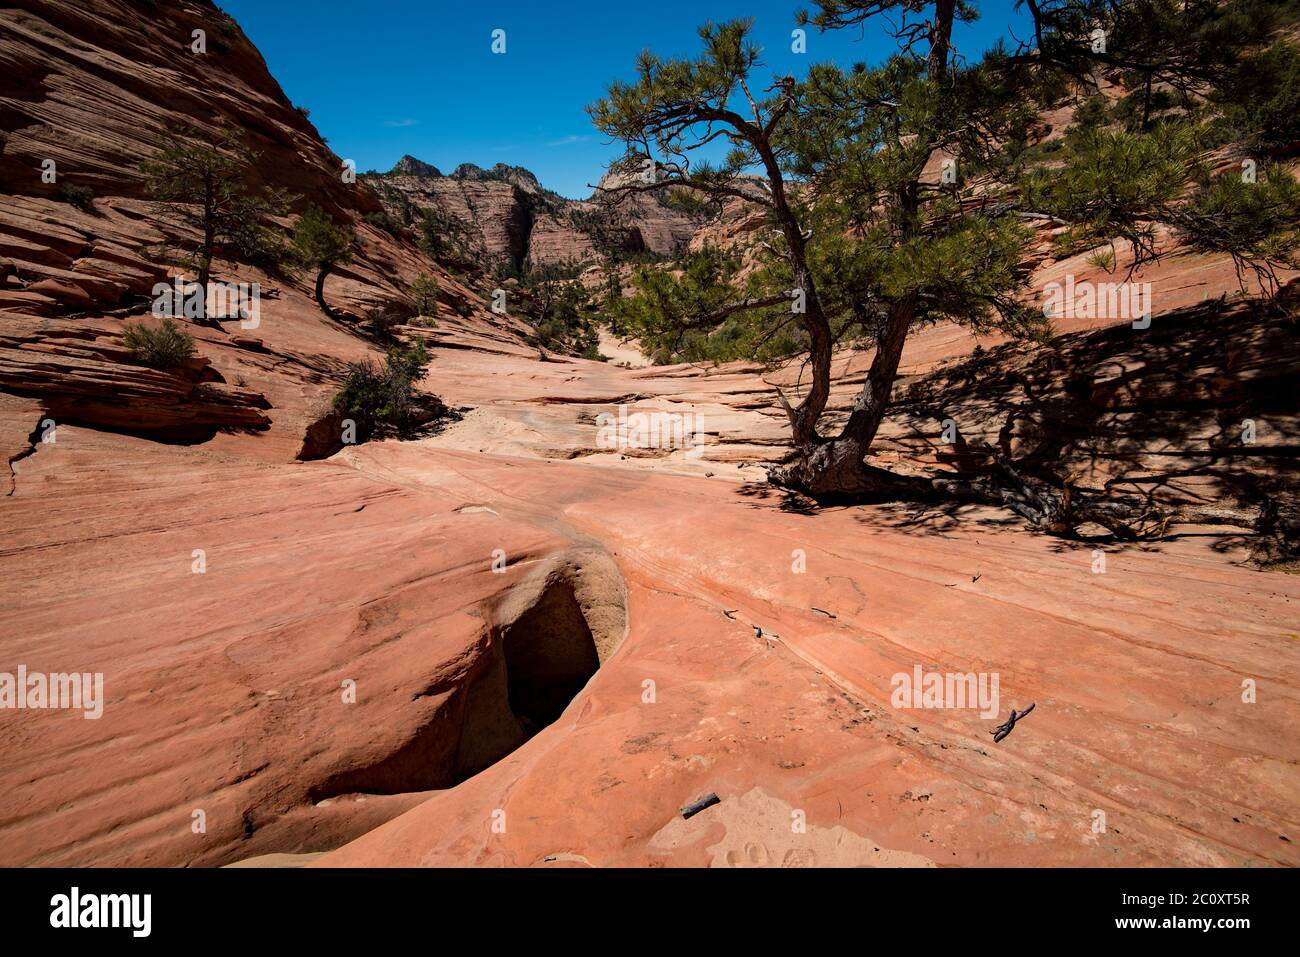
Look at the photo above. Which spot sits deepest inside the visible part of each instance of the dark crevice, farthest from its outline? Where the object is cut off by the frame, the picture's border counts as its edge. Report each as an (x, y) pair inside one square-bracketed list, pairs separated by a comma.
[(33, 439), (550, 655), (541, 661)]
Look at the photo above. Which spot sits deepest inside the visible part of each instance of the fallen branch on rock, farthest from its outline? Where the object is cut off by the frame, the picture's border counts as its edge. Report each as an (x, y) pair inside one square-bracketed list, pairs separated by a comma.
[(1004, 729), (698, 805)]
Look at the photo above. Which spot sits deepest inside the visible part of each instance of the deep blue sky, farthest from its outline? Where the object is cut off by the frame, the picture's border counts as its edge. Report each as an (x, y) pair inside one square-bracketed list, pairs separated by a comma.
[(388, 77)]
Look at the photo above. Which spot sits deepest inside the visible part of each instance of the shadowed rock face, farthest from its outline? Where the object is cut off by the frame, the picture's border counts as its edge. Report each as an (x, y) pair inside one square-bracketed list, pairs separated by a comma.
[(1196, 412), (509, 617), (516, 680), (552, 633)]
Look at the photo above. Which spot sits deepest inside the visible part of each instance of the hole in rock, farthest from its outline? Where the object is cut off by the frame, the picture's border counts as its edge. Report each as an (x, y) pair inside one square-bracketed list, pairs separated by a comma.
[(545, 639), (543, 658), (550, 655)]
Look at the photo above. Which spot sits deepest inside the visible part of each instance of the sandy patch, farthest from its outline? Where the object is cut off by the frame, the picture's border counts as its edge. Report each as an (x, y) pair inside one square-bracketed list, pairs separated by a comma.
[(761, 830)]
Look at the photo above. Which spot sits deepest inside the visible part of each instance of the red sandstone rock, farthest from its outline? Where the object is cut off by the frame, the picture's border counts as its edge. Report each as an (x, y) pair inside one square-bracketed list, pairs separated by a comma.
[(235, 599)]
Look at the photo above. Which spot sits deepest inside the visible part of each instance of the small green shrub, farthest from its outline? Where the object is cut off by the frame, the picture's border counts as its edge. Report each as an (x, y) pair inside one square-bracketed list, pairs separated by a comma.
[(265, 248), (81, 197), (383, 400), (164, 346), (380, 219), (1261, 100), (380, 322), (685, 201), (425, 293), (432, 242), (1102, 259)]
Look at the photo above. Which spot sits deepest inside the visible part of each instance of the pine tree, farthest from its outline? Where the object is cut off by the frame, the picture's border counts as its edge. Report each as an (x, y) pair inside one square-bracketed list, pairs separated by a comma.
[(888, 252), (898, 194), (204, 181), (321, 245)]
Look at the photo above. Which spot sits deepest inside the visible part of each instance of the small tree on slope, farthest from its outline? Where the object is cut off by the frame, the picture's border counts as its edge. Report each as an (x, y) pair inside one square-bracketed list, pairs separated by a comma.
[(204, 182), (321, 245)]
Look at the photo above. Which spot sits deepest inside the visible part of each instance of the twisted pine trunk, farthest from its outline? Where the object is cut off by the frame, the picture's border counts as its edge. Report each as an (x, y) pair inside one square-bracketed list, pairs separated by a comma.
[(320, 290), (832, 468), (835, 468)]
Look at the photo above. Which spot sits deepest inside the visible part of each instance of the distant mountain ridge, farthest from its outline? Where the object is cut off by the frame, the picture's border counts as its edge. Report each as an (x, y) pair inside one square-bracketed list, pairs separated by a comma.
[(504, 220), (408, 165)]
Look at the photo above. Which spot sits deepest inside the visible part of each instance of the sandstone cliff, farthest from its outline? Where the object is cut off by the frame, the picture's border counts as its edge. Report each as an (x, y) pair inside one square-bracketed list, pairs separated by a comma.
[(87, 91), (504, 219)]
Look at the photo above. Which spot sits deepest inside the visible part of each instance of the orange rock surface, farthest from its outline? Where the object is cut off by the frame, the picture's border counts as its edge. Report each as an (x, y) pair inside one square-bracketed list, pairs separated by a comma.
[(508, 645)]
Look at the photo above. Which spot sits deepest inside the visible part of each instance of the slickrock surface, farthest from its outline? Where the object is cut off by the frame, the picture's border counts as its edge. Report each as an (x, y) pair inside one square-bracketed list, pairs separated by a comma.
[(245, 720), (507, 644), (224, 688), (1136, 674), (94, 87), (86, 375)]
